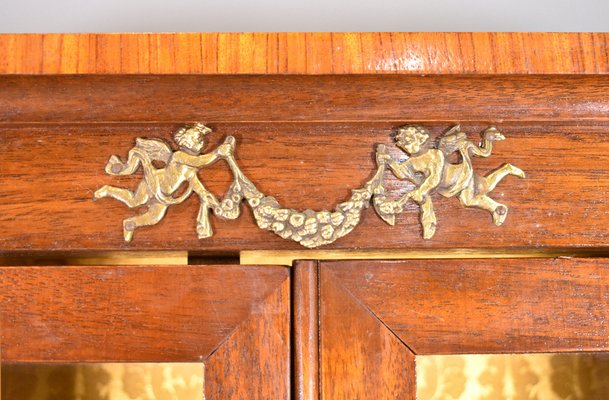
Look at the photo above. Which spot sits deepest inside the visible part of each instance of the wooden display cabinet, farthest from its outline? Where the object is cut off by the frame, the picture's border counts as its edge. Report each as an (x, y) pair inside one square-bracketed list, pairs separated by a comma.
[(307, 112)]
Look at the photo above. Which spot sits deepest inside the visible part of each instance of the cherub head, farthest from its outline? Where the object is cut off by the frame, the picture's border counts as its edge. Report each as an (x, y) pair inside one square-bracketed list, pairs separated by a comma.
[(411, 138), (191, 137)]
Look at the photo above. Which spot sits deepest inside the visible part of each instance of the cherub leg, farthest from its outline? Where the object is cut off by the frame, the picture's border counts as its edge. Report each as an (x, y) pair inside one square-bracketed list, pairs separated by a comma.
[(155, 213), (428, 218), (491, 180), (141, 195), (498, 211)]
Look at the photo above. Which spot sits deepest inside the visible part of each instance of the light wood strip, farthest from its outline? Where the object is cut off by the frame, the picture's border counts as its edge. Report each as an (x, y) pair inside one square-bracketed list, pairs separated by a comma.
[(305, 53)]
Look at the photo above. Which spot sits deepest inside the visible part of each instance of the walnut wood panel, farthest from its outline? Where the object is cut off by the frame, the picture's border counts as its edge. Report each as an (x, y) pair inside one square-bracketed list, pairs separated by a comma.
[(305, 53), (217, 99), (49, 175), (479, 306), (360, 358), (254, 362), (305, 300), (147, 314)]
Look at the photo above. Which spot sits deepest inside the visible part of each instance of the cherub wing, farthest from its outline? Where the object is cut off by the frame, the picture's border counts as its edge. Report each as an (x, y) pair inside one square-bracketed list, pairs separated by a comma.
[(448, 142), (155, 149)]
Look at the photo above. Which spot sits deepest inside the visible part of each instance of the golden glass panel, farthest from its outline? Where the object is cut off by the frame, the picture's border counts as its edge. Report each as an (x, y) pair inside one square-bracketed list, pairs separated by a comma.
[(108, 381), (583, 376)]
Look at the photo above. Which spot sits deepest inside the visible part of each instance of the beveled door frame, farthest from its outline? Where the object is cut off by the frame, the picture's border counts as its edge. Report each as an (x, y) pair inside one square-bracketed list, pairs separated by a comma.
[(374, 317)]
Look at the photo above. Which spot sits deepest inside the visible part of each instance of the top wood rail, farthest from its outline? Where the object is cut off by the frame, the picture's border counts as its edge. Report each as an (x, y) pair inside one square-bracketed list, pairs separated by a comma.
[(305, 53)]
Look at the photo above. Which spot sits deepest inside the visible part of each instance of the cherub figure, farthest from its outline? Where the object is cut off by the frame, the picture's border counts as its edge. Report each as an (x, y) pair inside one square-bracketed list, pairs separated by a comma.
[(428, 168), (159, 188)]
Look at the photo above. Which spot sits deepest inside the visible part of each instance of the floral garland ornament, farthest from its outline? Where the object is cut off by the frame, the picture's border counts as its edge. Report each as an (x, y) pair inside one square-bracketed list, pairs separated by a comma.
[(427, 167)]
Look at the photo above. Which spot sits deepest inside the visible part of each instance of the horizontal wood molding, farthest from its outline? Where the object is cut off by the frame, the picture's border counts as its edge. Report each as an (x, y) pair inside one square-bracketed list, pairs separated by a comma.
[(46, 191), (147, 314), (481, 306), (305, 53), (174, 100)]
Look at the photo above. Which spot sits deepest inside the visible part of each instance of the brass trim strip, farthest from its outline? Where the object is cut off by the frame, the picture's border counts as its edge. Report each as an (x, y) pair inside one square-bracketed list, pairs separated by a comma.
[(98, 258), (287, 257)]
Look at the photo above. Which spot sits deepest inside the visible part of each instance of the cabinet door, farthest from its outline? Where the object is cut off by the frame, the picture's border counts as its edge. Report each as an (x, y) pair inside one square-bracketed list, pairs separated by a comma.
[(233, 319), (376, 316)]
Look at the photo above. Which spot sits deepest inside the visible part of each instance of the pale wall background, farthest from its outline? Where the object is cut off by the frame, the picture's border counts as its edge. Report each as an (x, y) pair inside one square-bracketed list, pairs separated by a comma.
[(19, 16)]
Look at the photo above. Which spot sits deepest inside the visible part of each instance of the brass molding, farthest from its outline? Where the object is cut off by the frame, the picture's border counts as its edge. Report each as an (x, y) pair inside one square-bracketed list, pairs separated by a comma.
[(287, 257), (96, 258), (427, 166)]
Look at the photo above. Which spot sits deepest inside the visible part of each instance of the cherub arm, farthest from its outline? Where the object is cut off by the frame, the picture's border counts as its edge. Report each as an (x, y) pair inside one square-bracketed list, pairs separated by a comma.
[(399, 169), (225, 150), (486, 147), (197, 161), (431, 181), (484, 150), (431, 166)]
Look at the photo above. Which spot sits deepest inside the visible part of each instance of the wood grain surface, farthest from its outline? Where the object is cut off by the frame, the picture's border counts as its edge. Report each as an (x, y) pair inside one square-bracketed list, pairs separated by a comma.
[(101, 100), (360, 357), (305, 333), (68, 102), (478, 306), (147, 314), (307, 141), (305, 53), (254, 362)]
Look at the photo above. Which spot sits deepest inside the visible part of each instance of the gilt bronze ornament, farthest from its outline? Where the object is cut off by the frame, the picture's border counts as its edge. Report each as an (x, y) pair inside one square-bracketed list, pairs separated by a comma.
[(431, 172), (427, 167)]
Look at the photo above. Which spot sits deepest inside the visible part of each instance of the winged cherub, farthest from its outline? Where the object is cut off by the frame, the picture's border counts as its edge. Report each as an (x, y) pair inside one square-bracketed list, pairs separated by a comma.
[(159, 188), (429, 169)]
